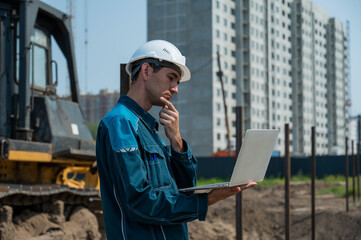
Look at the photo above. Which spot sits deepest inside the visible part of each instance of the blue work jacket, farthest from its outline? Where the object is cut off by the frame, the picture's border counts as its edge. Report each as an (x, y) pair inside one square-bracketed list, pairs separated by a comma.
[(140, 177)]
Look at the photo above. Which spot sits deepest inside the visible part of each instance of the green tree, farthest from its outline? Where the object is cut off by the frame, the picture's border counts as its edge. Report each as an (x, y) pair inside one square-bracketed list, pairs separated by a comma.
[(93, 129)]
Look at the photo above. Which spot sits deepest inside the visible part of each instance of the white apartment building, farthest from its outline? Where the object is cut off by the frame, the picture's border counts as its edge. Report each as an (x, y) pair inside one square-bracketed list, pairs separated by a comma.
[(337, 87), (264, 57), (354, 129), (275, 58), (309, 74)]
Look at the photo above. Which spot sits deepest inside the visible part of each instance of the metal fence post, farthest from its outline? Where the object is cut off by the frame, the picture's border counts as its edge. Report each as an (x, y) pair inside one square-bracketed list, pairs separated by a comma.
[(353, 173), (313, 178), (287, 165), (358, 156), (358, 171), (346, 171), (239, 134)]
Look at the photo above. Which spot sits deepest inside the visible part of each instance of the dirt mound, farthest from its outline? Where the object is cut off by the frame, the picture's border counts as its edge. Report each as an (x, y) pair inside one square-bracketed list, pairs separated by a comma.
[(264, 216), (31, 225)]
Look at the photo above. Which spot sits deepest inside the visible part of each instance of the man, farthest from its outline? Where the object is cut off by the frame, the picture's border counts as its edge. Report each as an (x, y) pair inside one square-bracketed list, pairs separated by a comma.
[(140, 175)]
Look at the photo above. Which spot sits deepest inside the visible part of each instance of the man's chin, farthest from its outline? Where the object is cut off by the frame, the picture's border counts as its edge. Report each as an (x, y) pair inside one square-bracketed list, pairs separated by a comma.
[(158, 104)]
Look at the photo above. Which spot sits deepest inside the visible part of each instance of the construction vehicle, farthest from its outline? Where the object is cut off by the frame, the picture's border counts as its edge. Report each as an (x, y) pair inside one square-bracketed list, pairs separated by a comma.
[(46, 150)]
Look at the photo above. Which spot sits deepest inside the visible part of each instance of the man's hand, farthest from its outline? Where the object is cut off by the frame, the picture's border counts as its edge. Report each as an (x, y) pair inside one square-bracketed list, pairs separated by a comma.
[(169, 118), (222, 193)]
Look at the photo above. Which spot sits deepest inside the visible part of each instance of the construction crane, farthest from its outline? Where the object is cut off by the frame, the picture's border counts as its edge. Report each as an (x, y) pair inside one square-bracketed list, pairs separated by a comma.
[(220, 75)]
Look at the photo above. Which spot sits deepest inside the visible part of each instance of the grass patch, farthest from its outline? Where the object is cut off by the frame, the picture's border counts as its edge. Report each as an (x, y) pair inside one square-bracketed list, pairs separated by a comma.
[(205, 181), (336, 190), (278, 180), (270, 181), (335, 178)]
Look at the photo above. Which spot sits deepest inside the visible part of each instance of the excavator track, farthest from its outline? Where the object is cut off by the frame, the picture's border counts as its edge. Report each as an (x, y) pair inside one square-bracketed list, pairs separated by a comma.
[(25, 195)]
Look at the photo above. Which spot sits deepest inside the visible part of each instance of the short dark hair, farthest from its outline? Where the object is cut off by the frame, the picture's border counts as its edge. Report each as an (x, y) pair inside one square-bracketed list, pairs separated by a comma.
[(137, 65)]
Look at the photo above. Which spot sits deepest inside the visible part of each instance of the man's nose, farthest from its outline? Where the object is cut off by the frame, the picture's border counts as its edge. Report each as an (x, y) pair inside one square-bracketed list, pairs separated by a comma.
[(174, 89)]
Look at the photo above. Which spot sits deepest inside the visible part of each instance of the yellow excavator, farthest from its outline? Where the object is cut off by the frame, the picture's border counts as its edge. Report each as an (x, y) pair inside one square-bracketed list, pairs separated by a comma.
[(46, 150)]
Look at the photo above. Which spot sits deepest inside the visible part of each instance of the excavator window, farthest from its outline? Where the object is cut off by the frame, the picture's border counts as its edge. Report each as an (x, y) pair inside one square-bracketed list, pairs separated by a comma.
[(39, 60)]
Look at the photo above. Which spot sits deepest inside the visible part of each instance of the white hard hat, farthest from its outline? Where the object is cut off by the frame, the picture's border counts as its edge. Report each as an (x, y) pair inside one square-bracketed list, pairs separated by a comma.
[(163, 51)]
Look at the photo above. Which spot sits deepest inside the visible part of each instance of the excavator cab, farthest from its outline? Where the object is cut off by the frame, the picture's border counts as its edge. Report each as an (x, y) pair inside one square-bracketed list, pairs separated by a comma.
[(44, 140)]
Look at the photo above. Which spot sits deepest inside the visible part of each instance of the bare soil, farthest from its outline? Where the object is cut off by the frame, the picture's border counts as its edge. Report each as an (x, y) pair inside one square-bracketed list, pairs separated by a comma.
[(56, 224), (263, 218), (264, 215)]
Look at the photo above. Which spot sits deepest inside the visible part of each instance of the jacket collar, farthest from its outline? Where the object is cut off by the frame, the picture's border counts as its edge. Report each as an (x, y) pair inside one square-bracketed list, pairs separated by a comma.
[(139, 111)]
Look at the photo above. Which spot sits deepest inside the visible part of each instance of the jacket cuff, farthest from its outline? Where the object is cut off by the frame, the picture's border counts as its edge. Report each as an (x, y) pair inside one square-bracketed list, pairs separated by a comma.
[(202, 206), (187, 154)]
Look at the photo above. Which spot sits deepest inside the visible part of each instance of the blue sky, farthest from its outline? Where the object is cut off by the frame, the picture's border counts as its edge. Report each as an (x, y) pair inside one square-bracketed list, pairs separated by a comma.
[(117, 27)]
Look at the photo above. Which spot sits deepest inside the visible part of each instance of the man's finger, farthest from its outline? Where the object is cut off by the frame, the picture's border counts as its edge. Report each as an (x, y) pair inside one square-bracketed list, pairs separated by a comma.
[(248, 185), (166, 116), (168, 112), (167, 103), (164, 122)]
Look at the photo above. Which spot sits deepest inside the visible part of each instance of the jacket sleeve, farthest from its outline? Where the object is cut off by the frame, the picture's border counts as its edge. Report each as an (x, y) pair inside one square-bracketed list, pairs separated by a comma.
[(184, 166), (131, 187)]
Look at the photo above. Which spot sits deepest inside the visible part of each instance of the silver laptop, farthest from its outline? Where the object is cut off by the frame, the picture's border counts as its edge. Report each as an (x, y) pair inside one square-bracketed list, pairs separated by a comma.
[(252, 160)]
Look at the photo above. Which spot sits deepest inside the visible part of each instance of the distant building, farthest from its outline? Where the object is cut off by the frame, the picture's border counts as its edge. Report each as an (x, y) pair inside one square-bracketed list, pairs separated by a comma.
[(96, 106), (284, 61), (354, 134)]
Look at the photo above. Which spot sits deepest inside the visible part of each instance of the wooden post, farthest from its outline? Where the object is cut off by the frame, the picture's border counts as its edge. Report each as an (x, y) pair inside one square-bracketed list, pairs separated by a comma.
[(287, 169), (346, 171), (239, 135), (125, 80), (313, 181)]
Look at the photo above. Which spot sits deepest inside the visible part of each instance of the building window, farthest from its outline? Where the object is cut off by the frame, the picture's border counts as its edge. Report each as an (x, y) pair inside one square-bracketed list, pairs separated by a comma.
[(225, 65)]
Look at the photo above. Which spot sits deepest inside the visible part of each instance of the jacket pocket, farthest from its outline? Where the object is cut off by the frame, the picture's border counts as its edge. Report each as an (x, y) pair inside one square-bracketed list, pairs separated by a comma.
[(157, 169)]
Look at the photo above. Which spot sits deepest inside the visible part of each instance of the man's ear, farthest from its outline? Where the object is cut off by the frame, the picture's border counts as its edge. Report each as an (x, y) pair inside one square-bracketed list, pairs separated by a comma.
[(146, 70)]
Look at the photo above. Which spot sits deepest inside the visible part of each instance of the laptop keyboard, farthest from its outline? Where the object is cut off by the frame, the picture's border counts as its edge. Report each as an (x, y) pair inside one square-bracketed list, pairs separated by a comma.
[(218, 185)]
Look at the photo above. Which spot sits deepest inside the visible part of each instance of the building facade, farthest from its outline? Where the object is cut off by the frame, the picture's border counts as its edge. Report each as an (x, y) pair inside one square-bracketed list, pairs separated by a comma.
[(283, 61), (355, 134), (95, 106)]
